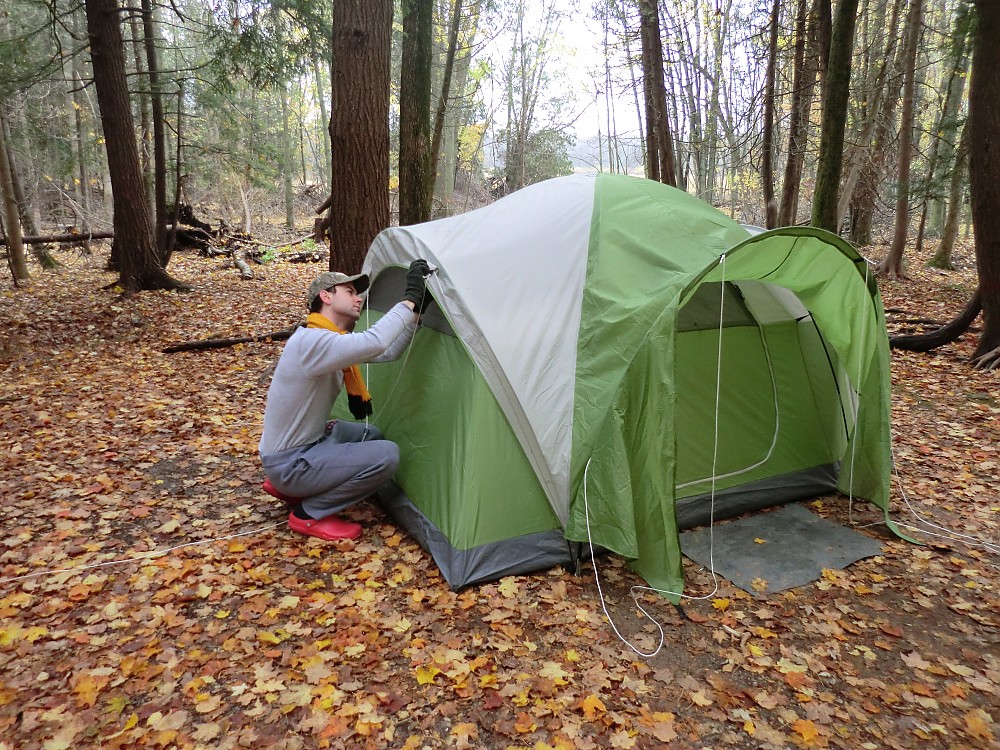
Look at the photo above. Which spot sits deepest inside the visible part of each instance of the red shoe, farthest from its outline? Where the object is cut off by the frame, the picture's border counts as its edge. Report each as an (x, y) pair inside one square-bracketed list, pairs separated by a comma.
[(270, 490), (329, 528)]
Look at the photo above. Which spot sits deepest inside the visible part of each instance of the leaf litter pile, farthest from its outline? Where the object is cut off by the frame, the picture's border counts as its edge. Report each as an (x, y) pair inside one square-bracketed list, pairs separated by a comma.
[(152, 596)]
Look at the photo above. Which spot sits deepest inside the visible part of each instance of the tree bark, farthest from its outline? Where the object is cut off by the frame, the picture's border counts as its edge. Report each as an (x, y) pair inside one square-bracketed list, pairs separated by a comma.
[(767, 140), (984, 174), (659, 141), (415, 184), (359, 128), (12, 221), (803, 84), (40, 249), (834, 122), (139, 264), (159, 131), (942, 256), (892, 265), (984, 187), (442, 108)]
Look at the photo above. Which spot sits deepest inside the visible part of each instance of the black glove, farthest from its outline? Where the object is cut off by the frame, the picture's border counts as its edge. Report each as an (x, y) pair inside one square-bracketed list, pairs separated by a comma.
[(415, 288), (428, 299)]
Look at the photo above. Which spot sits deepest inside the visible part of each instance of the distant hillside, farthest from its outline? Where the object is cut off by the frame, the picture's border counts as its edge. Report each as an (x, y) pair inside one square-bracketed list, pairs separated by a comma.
[(593, 154)]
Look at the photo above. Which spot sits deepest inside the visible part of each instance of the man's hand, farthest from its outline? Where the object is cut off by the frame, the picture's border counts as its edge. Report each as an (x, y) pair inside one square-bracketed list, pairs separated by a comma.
[(415, 289)]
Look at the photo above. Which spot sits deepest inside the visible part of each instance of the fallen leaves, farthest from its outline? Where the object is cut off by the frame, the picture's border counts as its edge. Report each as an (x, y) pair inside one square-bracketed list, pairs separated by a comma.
[(116, 452)]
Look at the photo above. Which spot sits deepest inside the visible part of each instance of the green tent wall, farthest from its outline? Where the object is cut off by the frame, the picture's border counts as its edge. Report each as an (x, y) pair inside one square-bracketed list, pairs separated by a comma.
[(564, 386)]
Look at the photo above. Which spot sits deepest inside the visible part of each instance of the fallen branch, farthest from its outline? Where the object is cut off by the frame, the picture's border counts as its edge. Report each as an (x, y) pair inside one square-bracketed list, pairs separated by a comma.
[(215, 343), (290, 243), (41, 240)]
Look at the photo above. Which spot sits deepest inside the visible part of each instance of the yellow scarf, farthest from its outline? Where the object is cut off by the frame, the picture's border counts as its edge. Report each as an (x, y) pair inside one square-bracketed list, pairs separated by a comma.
[(359, 400)]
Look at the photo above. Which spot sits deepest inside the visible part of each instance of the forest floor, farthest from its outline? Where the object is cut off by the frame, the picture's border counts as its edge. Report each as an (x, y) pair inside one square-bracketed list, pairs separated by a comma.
[(152, 595)]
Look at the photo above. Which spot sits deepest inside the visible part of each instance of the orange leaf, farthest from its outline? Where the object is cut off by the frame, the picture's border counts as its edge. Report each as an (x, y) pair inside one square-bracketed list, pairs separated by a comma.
[(806, 729)]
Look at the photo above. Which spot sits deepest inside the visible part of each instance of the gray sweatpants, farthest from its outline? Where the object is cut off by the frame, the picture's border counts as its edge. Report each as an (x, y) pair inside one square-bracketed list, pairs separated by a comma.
[(338, 471)]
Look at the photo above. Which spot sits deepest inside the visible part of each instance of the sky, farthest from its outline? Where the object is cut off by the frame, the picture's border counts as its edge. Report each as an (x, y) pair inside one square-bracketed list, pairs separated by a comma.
[(579, 61)]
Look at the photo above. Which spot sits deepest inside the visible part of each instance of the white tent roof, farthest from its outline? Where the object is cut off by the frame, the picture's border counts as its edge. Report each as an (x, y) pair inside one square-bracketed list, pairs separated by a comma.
[(489, 306)]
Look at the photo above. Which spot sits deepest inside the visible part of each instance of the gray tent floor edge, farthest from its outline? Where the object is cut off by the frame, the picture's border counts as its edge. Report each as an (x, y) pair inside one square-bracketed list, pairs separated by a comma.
[(764, 493), (488, 562)]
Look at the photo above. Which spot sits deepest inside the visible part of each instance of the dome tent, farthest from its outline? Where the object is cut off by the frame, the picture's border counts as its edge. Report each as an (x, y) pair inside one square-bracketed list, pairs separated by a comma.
[(565, 382)]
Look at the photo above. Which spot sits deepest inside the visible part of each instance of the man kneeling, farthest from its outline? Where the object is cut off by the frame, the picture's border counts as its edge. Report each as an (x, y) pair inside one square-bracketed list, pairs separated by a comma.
[(325, 467)]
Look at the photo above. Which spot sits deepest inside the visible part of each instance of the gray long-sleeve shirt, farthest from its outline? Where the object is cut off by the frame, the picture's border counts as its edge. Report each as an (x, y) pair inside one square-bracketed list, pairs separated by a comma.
[(309, 376)]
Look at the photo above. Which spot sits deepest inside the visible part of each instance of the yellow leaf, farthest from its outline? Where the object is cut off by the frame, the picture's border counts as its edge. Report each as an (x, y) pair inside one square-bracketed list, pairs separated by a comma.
[(553, 671), (275, 638), (721, 604), (508, 587), (9, 635), (87, 688), (463, 732), (592, 706), (222, 614), (977, 725), (755, 650), (426, 675), (700, 699), (757, 540), (402, 625), (806, 729), (572, 655), (117, 704)]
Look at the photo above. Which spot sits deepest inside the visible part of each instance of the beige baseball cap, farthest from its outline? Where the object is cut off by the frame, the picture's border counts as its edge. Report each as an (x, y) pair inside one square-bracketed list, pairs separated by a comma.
[(336, 278)]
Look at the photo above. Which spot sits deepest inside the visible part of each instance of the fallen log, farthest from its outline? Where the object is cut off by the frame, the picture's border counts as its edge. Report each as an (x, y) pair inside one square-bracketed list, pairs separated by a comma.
[(217, 343), (43, 239), (240, 261)]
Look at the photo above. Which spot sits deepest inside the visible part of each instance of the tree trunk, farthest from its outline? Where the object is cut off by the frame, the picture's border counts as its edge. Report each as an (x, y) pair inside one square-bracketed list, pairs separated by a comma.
[(324, 116), (868, 157), (39, 250), (834, 122), (145, 127), (286, 161), (359, 128), (892, 265), (646, 10), (442, 108), (139, 264), (415, 184), (942, 256), (946, 134), (984, 174), (803, 80), (11, 220), (767, 141), (159, 132)]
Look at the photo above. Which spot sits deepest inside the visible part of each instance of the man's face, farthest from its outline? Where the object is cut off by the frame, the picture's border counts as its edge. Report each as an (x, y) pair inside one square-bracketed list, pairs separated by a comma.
[(345, 301)]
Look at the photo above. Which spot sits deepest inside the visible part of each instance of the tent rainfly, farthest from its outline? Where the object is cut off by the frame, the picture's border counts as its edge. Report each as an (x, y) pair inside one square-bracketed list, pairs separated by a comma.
[(612, 359)]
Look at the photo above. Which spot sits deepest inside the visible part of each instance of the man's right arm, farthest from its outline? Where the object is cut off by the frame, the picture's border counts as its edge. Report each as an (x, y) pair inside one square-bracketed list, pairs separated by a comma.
[(324, 351)]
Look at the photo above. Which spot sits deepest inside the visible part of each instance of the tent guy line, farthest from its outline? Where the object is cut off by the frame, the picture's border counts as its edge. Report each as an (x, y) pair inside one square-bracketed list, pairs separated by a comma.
[(711, 517)]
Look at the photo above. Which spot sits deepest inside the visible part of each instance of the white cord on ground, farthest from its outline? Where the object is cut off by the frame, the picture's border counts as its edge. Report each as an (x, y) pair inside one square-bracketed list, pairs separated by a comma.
[(949, 534), (146, 556)]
